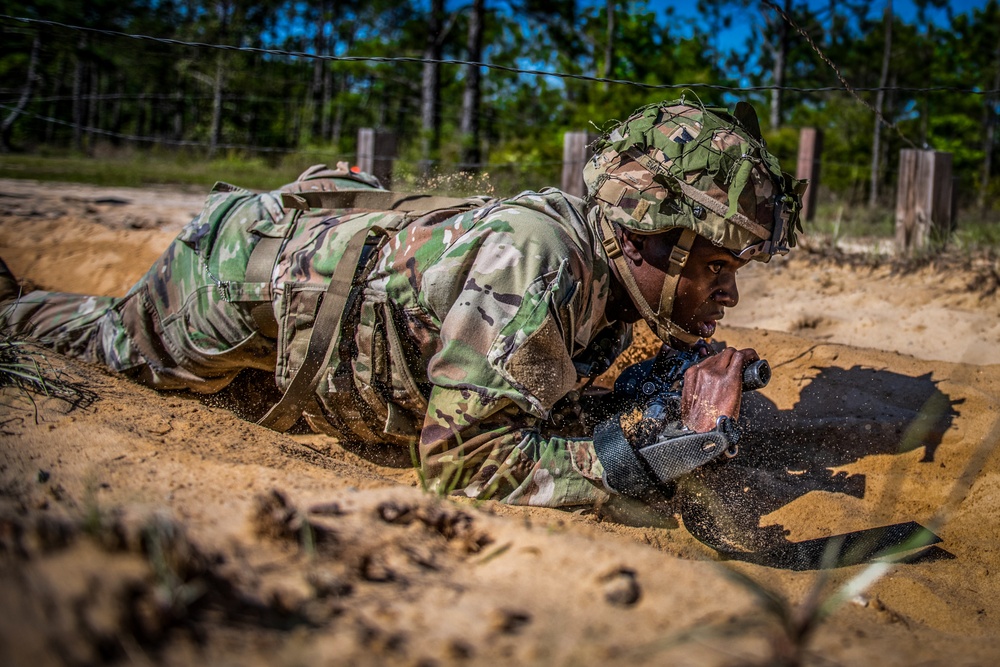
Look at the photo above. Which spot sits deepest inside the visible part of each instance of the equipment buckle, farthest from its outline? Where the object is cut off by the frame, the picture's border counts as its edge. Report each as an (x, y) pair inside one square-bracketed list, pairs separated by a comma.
[(679, 256)]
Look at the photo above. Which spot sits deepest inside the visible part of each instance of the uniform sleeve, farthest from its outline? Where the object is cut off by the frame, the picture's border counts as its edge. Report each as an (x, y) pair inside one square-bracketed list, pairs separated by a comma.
[(508, 333), (493, 449)]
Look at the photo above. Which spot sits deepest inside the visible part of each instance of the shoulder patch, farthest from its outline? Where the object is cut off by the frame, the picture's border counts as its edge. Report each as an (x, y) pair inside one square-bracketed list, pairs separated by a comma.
[(542, 366)]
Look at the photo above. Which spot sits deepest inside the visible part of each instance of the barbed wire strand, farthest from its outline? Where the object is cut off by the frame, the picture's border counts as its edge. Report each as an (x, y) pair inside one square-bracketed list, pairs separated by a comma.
[(847, 86), (826, 164), (266, 149), (505, 68), (138, 138)]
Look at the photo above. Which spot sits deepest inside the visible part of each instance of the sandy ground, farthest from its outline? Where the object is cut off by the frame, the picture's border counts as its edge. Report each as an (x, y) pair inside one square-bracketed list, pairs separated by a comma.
[(148, 528)]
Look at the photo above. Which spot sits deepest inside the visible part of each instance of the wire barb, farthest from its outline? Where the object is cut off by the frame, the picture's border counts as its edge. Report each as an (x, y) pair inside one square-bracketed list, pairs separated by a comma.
[(847, 86)]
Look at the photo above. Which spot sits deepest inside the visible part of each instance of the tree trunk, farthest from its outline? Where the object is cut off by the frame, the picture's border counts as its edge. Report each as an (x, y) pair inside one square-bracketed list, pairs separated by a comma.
[(879, 103), (338, 116), (78, 103), (116, 108), (178, 113), (430, 89), (90, 120), (26, 91), (471, 97), (98, 108), (989, 136), (216, 130), (54, 108), (609, 42), (324, 105), (316, 83), (778, 72), (315, 86), (343, 83)]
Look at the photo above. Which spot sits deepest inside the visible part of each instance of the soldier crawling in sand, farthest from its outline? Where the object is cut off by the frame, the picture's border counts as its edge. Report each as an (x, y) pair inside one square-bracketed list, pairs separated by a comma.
[(463, 327)]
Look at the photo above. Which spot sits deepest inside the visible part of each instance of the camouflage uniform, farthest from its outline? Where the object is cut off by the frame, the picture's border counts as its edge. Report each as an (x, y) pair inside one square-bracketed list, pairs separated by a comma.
[(465, 335)]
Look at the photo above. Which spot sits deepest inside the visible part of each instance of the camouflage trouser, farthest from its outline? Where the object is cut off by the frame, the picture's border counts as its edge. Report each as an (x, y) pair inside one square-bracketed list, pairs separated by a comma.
[(185, 325)]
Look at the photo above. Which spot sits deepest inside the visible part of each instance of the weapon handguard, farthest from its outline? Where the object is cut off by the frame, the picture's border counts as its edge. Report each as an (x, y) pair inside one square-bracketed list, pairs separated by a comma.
[(639, 471), (673, 456), (638, 466)]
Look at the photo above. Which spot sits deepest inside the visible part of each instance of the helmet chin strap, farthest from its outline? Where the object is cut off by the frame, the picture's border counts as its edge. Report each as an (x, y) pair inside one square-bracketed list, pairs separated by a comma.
[(659, 321)]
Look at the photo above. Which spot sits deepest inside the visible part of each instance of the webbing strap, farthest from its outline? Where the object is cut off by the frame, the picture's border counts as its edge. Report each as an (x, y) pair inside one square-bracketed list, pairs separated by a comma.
[(662, 326), (371, 200), (263, 257), (260, 266), (322, 338), (678, 258)]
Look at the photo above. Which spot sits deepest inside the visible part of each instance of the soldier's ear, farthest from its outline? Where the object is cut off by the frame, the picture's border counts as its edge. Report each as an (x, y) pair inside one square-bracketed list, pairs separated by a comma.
[(632, 244)]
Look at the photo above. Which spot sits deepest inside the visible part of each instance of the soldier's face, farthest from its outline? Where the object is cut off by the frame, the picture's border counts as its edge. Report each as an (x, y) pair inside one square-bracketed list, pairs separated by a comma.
[(706, 288)]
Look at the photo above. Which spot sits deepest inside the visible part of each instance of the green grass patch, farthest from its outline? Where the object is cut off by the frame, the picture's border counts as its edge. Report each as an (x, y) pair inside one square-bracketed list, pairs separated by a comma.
[(974, 229), (135, 169), (852, 220)]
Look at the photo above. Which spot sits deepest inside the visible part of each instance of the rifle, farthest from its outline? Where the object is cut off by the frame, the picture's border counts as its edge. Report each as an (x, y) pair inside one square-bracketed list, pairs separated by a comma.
[(662, 377), (650, 422)]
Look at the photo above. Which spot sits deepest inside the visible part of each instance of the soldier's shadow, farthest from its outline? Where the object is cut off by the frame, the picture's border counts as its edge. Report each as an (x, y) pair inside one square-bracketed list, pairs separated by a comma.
[(842, 416)]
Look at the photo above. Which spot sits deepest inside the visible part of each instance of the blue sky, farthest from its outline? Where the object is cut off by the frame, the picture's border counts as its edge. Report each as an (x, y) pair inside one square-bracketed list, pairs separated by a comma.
[(905, 9)]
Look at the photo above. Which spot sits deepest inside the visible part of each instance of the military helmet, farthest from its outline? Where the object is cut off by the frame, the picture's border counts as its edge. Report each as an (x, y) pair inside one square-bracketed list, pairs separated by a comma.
[(674, 165)]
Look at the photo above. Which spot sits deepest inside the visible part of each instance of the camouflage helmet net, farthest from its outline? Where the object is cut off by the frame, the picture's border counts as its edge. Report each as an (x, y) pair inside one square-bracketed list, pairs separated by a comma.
[(701, 169)]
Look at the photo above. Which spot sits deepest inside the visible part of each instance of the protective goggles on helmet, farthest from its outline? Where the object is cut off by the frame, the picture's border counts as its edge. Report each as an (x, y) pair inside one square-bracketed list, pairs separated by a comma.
[(777, 244)]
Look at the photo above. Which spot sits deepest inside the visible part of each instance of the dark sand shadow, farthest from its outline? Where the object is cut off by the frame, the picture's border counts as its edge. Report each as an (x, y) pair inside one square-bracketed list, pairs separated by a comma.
[(842, 416)]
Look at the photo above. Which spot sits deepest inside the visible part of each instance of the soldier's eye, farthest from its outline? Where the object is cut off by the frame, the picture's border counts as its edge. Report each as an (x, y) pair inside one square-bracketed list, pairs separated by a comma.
[(715, 267)]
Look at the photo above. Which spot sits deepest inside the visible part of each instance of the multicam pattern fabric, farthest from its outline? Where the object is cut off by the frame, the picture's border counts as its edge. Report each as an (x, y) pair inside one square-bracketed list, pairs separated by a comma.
[(498, 302), (637, 169), (471, 328)]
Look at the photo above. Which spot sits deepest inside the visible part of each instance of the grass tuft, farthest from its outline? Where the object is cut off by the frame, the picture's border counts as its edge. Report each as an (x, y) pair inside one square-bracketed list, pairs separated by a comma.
[(25, 368)]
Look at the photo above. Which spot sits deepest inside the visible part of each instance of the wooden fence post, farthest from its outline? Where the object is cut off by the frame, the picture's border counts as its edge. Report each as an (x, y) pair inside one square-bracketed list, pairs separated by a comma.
[(576, 152), (923, 199), (376, 153), (810, 149)]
